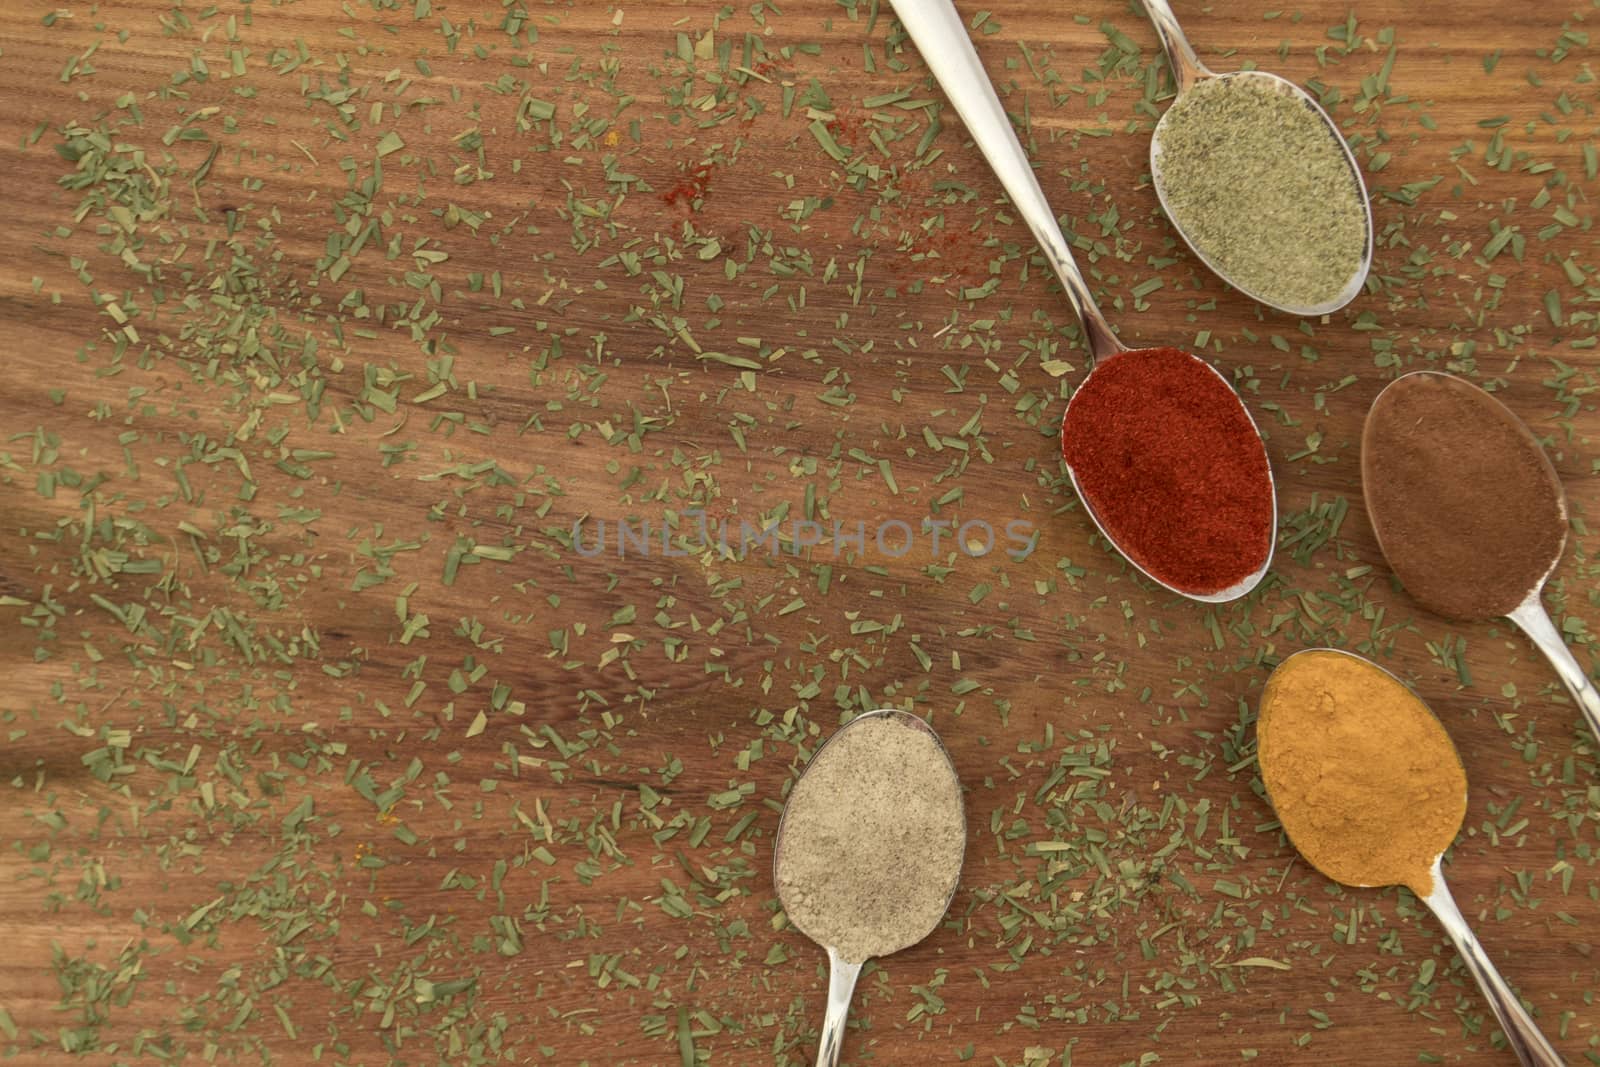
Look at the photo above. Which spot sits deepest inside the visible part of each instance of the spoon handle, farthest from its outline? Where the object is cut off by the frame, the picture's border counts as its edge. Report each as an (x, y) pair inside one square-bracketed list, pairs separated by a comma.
[(942, 38), (1186, 66), (842, 977), (1535, 622), (1522, 1033)]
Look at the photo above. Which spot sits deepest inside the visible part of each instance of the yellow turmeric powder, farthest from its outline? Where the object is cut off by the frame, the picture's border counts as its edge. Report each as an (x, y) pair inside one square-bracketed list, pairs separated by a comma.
[(1364, 779)]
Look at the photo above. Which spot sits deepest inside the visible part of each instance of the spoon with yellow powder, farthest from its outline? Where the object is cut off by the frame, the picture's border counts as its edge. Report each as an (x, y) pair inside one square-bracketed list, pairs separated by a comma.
[(869, 849), (1369, 788)]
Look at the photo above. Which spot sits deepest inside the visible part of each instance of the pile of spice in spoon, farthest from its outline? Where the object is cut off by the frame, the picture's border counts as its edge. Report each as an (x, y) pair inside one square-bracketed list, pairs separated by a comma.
[(1257, 178), (1363, 777), (869, 849), (1469, 511), (1172, 467), (1465, 505), (1262, 187), (872, 837)]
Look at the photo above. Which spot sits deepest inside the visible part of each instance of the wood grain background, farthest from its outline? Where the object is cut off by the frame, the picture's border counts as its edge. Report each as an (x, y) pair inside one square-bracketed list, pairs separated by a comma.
[(323, 743)]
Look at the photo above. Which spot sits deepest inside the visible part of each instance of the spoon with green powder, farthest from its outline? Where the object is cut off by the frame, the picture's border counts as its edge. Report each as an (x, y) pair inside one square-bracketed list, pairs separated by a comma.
[(1165, 457), (1370, 790), (869, 849), (1259, 182), (1469, 511)]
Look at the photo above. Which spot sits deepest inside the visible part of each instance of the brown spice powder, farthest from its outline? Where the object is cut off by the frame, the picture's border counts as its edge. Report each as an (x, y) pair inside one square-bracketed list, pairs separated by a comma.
[(872, 839), (1364, 779), (1467, 509)]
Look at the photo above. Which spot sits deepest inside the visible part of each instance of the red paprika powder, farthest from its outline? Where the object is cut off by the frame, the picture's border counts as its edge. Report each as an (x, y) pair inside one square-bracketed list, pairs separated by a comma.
[(1167, 459)]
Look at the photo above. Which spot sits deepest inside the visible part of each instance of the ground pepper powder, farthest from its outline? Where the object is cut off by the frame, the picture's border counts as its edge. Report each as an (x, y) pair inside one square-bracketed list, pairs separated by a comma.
[(1467, 509), (1363, 777), (1172, 467), (872, 839)]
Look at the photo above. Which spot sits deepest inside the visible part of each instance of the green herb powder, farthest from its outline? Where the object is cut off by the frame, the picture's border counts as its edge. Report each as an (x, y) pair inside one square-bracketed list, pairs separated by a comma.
[(1262, 189)]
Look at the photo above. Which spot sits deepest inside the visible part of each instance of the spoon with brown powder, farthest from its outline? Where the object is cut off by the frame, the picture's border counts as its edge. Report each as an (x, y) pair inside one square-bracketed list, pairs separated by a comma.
[(1468, 510), (869, 849), (1371, 791)]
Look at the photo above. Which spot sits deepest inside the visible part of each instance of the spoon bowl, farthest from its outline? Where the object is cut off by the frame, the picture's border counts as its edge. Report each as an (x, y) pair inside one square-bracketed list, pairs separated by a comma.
[(1106, 523), (894, 896), (1188, 72), (941, 36), (1422, 873)]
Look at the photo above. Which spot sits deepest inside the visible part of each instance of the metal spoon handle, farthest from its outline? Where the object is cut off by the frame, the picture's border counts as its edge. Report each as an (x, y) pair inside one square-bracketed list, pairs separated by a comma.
[(1522, 1033), (942, 38), (1186, 66), (841, 984), (1535, 622)]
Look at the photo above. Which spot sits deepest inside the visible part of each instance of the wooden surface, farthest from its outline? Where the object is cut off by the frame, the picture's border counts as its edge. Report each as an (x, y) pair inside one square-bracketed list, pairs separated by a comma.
[(323, 744)]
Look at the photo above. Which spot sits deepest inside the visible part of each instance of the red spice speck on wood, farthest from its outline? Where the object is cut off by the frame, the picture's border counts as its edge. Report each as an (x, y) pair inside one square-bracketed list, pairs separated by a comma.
[(691, 187), (953, 251), (847, 128), (1171, 465)]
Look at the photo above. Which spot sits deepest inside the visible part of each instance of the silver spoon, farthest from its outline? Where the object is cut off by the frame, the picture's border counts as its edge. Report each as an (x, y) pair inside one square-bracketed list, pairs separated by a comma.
[(1187, 72), (842, 972), (1530, 613), (942, 38), (1535, 622), (1532, 1048)]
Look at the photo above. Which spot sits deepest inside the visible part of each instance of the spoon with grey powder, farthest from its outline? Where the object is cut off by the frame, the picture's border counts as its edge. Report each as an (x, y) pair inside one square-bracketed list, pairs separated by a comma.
[(1259, 182), (1468, 510), (869, 849)]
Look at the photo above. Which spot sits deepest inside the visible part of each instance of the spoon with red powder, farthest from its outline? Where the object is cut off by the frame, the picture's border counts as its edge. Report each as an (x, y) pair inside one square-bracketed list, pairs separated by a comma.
[(1161, 450)]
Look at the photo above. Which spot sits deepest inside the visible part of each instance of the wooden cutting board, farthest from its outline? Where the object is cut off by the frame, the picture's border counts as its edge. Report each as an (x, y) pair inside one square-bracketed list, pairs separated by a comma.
[(340, 333)]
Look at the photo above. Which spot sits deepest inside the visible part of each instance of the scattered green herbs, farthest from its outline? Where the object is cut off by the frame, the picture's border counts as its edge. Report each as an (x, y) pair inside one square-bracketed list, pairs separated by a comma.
[(321, 743)]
